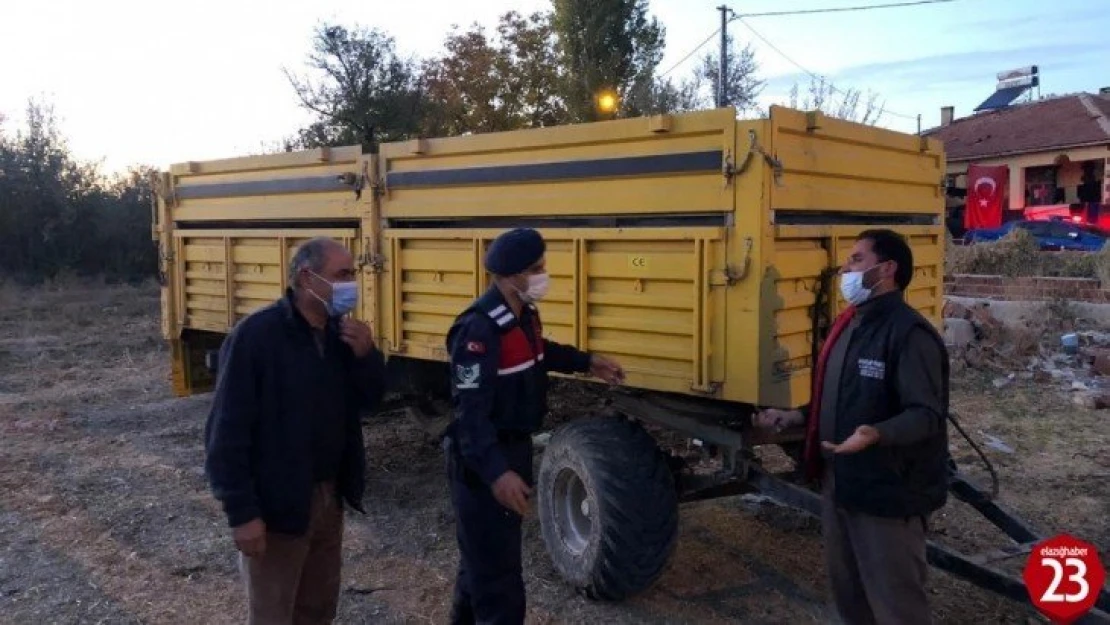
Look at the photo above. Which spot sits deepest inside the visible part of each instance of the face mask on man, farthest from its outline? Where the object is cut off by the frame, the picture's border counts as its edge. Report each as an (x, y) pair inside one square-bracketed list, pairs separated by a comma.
[(852, 288), (344, 296), (536, 289)]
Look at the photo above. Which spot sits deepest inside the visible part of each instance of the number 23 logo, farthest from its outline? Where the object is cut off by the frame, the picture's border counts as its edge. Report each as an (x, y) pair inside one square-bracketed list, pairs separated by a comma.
[(1051, 594)]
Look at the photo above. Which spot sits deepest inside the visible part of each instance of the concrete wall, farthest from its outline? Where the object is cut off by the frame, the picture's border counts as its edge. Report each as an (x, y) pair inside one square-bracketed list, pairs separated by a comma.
[(1026, 289), (1020, 312)]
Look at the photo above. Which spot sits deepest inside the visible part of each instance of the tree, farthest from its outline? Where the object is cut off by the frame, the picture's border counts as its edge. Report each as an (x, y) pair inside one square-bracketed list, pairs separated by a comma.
[(607, 45), (41, 225), (124, 247), (465, 88), (530, 49), (488, 84), (742, 84), (366, 92), (58, 215), (667, 96), (834, 102)]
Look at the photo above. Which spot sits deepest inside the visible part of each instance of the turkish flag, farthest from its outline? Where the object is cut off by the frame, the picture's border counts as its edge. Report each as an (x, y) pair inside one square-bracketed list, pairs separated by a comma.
[(986, 186)]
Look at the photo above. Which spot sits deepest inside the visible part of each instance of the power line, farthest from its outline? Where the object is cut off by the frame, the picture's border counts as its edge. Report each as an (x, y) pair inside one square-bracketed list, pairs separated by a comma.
[(809, 73), (691, 53), (739, 17), (868, 7)]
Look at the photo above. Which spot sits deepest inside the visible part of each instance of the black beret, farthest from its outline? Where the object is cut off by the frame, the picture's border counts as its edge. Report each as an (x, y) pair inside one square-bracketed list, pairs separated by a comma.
[(514, 251)]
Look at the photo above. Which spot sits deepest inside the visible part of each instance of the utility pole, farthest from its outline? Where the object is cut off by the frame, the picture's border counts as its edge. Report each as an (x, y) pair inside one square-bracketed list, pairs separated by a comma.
[(722, 71)]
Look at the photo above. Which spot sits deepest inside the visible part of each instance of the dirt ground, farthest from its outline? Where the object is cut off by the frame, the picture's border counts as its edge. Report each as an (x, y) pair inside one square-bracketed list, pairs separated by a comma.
[(105, 516)]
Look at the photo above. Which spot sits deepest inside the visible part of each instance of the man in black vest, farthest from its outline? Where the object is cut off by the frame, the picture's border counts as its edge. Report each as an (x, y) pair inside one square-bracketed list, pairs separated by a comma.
[(499, 365), (879, 408)]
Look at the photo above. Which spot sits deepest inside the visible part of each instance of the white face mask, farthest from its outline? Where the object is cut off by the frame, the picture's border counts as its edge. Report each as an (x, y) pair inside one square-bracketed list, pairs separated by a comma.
[(537, 288), (851, 287)]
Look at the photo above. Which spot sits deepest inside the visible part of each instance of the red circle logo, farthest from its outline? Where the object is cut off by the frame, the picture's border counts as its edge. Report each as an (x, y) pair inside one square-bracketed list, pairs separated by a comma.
[(1064, 577)]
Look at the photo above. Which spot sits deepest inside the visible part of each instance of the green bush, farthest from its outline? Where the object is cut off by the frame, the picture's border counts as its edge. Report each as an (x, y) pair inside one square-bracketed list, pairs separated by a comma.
[(1017, 254)]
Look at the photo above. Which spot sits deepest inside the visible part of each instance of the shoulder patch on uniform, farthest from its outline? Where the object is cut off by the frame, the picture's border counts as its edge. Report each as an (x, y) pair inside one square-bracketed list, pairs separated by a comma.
[(501, 315), (467, 376), (476, 347)]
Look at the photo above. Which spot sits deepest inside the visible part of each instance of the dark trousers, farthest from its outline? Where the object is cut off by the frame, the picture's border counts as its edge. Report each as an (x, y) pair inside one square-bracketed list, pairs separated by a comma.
[(876, 565), (489, 587), (296, 581)]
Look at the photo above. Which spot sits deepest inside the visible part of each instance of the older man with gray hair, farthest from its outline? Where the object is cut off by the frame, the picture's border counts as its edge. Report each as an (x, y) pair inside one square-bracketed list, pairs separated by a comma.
[(284, 438)]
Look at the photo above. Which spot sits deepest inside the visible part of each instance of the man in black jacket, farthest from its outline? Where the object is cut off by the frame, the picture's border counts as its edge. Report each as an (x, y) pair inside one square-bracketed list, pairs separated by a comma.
[(499, 362), (879, 408), (284, 438)]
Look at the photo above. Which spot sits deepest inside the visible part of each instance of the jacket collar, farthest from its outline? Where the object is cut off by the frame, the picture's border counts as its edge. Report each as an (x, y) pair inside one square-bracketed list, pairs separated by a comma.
[(880, 305), (293, 318), (493, 303)]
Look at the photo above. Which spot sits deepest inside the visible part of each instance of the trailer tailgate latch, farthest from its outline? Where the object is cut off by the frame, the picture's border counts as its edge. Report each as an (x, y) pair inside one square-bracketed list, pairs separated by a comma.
[(357, 182), (374, 262), (377, 263), (755, 148), (729, 169), (773, 162)]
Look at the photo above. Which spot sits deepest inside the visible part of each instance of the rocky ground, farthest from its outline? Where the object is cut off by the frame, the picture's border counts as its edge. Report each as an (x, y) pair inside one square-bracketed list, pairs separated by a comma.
[(105, 516)]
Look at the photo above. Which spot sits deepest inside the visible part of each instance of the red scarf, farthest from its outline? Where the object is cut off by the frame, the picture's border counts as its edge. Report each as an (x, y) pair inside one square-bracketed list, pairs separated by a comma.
[(812, 460)]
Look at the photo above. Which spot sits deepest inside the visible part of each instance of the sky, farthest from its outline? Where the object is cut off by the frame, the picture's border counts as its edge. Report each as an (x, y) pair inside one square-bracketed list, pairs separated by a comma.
[(153, 82)]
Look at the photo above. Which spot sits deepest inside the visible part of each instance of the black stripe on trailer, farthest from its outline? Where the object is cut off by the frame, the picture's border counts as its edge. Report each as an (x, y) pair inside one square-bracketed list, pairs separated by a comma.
[(684, 162), (312, 184)]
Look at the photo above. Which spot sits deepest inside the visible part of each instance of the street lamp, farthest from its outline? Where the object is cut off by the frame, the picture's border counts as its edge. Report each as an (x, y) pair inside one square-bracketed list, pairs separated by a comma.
[(607, 102)]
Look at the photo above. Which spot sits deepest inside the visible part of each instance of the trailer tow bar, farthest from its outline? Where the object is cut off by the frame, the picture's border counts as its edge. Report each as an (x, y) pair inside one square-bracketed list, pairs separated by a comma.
[(975, 569)]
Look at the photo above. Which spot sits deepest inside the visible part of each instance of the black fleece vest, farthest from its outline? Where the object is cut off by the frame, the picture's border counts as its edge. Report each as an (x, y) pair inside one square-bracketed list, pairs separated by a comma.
[(903, 481)]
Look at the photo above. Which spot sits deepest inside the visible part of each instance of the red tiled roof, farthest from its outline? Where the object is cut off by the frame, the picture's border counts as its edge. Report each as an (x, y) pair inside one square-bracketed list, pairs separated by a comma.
[(1056, 123)]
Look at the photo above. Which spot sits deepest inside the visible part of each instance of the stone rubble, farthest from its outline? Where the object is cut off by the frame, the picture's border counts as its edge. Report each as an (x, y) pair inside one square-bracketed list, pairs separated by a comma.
[(1030, 351)]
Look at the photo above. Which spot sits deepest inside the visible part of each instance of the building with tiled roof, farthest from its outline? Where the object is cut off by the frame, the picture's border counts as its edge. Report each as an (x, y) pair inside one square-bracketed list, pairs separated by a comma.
[(1057, 150)]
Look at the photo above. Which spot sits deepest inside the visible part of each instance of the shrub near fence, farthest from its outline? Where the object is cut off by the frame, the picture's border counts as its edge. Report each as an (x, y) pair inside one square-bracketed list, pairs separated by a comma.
[(1014, 268), (1018, 254)]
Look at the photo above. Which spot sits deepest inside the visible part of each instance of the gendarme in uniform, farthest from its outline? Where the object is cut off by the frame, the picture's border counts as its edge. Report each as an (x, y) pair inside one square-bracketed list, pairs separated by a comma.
[(499, 365)]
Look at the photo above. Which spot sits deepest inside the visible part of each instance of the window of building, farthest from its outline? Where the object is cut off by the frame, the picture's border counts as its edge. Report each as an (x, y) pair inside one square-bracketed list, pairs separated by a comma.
[(1040, 187), (1089, 189)]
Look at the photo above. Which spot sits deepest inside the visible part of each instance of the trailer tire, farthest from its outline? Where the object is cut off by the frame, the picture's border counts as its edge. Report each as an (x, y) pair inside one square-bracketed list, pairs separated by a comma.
[(608, 507)]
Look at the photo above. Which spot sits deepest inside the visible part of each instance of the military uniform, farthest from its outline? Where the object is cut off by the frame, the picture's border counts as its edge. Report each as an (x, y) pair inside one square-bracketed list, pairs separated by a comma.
[(499, 365)]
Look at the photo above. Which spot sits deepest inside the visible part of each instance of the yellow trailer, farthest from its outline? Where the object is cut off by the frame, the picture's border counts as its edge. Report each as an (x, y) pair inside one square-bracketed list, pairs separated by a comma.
[(691, 247), (696, 249)]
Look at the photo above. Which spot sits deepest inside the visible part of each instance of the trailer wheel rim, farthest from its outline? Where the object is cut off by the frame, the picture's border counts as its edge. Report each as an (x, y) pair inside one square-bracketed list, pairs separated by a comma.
[(573, 510)]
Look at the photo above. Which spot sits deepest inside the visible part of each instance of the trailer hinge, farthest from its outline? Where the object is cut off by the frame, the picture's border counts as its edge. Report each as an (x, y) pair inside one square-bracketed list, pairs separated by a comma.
[(710, 388), (165, 261), (162, 186), (730, 275)]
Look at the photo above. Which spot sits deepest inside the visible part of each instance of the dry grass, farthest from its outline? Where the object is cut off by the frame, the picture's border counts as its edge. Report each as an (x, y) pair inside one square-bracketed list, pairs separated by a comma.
[(1059, 474), (74, 342), (120, 496)]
